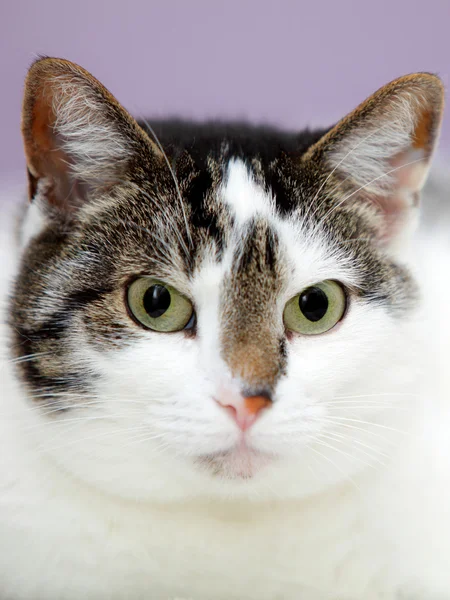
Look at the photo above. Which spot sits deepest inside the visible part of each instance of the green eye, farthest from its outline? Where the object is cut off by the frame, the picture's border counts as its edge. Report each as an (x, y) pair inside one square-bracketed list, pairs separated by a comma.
[(158, 306), (317, 309)]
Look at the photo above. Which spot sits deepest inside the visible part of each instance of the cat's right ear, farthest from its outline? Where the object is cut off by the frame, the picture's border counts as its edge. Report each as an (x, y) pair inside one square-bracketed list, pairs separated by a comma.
[(77, 137)]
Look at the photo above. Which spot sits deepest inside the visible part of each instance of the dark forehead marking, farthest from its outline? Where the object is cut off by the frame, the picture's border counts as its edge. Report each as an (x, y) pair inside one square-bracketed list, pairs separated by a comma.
[(275, 160), (257, 253), (272, 155), (239, 139), (208, 218)]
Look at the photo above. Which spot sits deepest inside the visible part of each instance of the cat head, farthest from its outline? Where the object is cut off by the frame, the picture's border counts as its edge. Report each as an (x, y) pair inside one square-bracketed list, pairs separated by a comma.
[(216, 310)]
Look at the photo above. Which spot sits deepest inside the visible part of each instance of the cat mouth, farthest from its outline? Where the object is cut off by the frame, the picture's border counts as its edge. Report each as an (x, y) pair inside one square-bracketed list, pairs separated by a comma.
[(239, 462)]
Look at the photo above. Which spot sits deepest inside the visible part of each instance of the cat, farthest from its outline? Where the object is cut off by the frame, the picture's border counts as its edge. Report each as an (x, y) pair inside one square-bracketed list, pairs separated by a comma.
[(225, 354)]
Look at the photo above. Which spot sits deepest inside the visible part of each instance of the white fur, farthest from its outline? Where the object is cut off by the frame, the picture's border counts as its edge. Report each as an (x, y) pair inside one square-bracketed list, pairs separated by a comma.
[(245, 198), (106, 502)]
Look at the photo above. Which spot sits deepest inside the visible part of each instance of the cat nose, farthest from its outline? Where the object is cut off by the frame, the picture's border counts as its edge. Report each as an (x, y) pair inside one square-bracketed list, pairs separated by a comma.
[(245, 409)]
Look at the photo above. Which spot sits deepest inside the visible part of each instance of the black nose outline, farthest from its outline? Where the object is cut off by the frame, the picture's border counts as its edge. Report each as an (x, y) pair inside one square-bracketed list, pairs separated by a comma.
[(263, 392)]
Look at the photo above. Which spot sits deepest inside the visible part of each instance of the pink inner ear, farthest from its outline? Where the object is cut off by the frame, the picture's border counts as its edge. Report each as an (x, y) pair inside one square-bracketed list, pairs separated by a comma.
[(395, 213), (383, 150), (410, 171)]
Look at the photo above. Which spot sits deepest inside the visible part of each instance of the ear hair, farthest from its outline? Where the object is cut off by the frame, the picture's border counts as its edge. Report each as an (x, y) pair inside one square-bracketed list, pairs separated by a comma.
[(76, 135), (89, 135), (381, 152)]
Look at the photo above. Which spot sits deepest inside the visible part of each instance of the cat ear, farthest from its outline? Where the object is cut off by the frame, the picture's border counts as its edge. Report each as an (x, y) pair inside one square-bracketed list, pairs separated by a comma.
[(380, 153), (77, 137)]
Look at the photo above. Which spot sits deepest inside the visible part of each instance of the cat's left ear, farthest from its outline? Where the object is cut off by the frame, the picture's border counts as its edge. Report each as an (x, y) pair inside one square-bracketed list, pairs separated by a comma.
[(77, 137), (379, 155)]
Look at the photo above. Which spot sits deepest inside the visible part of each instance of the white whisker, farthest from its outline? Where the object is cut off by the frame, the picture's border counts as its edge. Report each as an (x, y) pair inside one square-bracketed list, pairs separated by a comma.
[(349, 153), (351, 441), (362, 187), (188, 233), (327, 459)]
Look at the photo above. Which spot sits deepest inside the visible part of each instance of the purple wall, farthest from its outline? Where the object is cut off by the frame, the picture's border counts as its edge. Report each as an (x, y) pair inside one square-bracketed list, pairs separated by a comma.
[(289, 62)]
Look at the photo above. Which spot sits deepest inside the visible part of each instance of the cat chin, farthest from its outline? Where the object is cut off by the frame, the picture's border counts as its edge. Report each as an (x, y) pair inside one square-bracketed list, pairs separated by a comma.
[(241, 462)]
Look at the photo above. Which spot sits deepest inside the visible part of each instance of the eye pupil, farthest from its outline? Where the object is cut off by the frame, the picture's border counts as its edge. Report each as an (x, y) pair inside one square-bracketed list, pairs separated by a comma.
[(156, 301), (313, 303)]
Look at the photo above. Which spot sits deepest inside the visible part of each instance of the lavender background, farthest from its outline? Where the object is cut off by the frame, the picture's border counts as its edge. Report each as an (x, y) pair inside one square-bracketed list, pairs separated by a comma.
[(292, 63)]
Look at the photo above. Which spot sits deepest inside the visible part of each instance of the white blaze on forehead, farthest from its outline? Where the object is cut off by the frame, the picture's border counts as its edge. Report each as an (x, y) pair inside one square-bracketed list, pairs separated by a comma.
[(309, 251), (243, 195)]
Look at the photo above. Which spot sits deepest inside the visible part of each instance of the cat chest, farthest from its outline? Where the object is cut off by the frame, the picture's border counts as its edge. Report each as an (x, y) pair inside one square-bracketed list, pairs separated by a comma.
[(162, 556)]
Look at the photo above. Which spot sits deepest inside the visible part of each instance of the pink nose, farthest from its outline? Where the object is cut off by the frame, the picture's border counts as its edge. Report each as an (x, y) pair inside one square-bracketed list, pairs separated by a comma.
[(245, 411)]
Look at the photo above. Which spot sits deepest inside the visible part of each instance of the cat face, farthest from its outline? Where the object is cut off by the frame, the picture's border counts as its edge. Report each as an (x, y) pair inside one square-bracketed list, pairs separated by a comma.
[(205, 312)]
